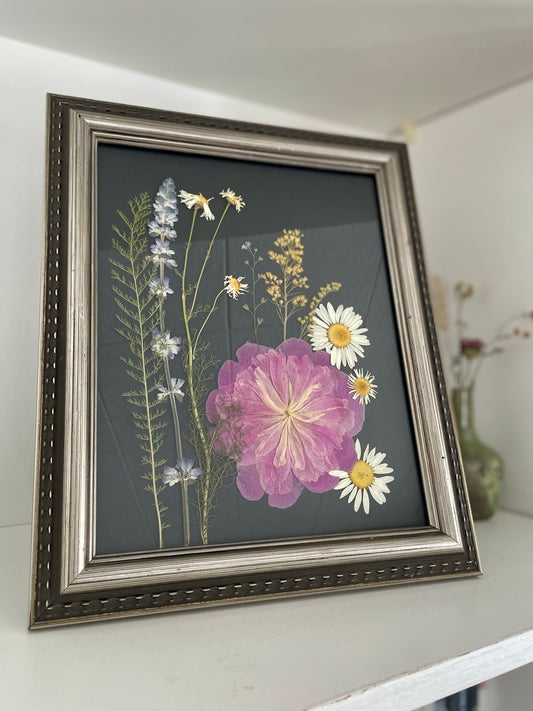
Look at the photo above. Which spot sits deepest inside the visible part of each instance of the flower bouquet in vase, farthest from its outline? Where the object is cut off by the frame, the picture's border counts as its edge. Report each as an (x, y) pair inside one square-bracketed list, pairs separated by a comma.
[(483, 466)]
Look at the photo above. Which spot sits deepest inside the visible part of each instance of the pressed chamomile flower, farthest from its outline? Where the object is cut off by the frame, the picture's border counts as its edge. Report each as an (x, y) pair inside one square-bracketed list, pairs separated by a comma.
[(198, 202), (365, 476), (339, 333), (183, 471), (362, 385), (235, 200), (175, 389), (234, 286)]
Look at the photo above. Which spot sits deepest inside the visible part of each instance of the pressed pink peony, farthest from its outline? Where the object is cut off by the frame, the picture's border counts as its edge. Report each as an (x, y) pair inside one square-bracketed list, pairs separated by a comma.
[(287, 418)]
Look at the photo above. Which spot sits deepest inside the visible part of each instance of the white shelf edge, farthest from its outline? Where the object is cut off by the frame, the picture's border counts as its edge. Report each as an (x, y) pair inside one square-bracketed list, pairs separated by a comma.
[(436, 681)]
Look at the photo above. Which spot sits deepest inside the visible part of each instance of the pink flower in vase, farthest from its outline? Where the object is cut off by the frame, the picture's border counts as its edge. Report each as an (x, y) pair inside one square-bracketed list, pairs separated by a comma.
[(287, 418), (471, 347)]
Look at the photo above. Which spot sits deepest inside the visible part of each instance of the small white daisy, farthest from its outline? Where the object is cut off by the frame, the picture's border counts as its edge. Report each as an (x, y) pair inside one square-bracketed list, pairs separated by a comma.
[(362, 385), (234, 286), (339, 332), (198, 202), (363, 478), (235, 200)]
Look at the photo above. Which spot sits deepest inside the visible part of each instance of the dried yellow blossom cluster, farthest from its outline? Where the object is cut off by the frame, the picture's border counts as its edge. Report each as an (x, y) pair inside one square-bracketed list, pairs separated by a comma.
[(285, 290), (290, 257), (273, 287), (306, 321)]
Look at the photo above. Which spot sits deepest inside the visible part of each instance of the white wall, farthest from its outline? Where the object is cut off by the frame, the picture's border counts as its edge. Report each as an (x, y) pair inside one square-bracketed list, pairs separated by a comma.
[(28, 73), (473, 174)]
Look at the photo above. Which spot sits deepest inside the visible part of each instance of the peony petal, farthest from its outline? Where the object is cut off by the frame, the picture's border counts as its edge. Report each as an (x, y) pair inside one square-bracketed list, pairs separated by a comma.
[(295, 347), (284, 501), (248, 483), (248, 351), (322, 484)]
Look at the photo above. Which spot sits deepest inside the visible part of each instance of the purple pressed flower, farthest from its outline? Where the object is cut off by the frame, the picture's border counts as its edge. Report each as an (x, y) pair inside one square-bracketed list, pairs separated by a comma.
[(183, 471), (287, 417)]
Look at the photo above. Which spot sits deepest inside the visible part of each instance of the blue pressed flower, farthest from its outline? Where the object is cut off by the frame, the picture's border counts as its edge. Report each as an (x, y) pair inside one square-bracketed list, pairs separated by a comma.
[(165, 261), (246, 245), (175, 389), (165, 206), (161, 287), (164, 345), (161, 246), (164, 232), (183, 471)]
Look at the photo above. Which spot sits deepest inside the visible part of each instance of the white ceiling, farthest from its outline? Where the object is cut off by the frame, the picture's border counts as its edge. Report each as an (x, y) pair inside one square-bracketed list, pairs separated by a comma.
[(367, 63)]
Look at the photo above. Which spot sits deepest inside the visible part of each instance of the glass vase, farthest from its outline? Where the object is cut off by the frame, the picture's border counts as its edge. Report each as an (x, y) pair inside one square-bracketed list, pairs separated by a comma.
[(483, 466)]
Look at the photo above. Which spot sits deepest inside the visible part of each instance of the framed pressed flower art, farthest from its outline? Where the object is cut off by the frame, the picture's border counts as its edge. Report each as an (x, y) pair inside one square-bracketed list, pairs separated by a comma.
[(241, 394)]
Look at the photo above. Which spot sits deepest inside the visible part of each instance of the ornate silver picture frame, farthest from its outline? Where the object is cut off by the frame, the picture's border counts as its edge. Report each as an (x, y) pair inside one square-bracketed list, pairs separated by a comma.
[(241, 395)]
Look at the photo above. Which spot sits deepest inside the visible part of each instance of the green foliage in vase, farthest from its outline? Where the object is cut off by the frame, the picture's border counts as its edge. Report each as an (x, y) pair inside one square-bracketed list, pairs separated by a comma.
[(139, 314)]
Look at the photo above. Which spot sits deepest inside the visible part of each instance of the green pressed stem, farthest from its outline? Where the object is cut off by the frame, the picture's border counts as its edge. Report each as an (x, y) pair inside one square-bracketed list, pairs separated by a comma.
[(175, 420), (186, 517), (192, 393), (148, 415), (206, 259)]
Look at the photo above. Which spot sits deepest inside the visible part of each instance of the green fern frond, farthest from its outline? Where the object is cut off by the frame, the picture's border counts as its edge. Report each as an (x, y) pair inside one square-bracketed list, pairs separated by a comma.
[(138, 314)]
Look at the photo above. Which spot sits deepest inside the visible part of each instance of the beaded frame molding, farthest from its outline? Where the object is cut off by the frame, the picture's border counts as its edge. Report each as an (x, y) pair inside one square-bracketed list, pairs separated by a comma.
[(70, 581)]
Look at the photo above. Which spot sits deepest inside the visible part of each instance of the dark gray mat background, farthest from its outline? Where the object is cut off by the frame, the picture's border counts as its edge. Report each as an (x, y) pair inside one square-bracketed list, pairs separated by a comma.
[(338, 213)]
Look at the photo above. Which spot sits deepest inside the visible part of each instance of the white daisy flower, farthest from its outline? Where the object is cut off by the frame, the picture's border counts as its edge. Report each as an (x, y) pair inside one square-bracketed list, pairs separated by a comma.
[(363, 478), (362, 386), (175, 389), (198, 202), (235, 200), (234, 286), (339, 333)]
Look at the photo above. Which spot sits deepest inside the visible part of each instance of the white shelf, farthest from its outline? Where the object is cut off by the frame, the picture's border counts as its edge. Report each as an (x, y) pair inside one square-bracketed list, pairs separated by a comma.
[(387, 648)]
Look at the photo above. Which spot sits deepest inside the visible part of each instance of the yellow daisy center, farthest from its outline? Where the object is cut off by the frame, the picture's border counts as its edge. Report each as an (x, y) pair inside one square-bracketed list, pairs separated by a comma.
[(362, 474), (202, 199), (235, 284), (339, 335), (361, 387)]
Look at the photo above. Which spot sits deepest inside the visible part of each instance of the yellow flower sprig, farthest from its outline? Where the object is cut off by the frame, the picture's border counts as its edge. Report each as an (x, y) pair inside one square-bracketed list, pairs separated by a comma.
[(285, 291), (305, 321)]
